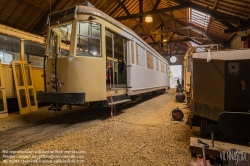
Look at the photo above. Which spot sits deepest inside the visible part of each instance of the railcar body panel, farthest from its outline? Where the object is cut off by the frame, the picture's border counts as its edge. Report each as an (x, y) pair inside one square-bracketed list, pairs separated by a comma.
[(217, 85), (81, 71), (143, 78), (84, 74)]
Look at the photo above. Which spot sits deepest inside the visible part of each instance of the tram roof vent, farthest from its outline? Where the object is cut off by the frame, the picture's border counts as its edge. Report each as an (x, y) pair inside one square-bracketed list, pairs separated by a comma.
[(86, 3)]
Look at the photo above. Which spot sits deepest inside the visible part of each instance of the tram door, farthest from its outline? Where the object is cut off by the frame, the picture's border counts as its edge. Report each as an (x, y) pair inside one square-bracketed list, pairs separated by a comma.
[(116, 51), (3, 103), (24, 87)]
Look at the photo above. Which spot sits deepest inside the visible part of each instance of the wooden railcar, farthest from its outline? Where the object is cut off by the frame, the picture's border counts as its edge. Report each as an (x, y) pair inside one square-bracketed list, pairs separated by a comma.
[(93, 58)]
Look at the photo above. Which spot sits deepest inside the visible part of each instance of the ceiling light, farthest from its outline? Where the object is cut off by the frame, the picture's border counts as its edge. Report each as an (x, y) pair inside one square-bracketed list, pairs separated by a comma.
[(148, 18)]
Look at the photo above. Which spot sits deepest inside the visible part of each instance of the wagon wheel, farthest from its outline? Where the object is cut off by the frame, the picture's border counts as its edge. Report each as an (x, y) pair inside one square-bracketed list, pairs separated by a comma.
[(177, 114)]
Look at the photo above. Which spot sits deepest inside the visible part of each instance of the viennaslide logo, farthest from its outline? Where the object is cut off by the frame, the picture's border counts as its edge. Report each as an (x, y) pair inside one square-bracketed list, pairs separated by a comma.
[(235, 156)]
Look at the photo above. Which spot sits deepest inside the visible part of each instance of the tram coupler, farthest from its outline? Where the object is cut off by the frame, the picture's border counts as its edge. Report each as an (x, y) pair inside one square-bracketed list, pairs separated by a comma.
[(55, 107)]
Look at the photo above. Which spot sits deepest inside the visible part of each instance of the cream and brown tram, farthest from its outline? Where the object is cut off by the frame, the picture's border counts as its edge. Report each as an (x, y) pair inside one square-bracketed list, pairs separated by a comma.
[(92, 58)]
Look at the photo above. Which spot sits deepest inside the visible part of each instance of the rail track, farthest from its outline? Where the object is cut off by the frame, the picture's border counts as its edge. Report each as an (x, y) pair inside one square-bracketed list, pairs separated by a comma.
[(21, 137)]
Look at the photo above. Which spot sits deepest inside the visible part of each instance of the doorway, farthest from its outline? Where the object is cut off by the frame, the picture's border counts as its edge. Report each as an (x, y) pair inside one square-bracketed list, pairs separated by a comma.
[(175, 74), (116, 60)]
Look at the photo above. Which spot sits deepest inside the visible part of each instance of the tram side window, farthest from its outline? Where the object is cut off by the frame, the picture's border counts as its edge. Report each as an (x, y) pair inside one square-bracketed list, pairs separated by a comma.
[(150, 62), (162, 67), (60, 35), (9, 49), (34, 53), (5, 57), (88, 39), (156, 64), (141, 56)]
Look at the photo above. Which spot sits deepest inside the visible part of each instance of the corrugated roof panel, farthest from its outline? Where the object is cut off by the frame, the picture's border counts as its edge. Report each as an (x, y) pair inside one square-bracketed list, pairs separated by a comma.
[(181, 15), (236, 8)]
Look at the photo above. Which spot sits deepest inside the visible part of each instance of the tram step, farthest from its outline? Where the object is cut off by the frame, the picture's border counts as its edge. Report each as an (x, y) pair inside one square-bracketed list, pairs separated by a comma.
[(119, 102)]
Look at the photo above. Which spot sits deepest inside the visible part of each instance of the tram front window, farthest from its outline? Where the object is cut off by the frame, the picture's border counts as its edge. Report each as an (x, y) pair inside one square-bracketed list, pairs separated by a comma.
[(88, 39), (59, 42)]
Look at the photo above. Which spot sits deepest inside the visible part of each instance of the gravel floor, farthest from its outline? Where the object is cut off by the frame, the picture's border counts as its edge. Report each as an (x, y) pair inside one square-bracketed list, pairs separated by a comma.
[(141, 134)]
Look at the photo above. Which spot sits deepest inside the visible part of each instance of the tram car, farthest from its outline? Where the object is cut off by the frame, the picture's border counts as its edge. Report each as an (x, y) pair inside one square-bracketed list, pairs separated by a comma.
[(17, 45), (220, 90), (94, 59)]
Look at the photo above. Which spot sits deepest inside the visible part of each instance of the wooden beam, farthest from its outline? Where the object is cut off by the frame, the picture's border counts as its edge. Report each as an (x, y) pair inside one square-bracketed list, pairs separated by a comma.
[(116, 8), (162, 23), (156, 4), (152, 12), (141, 9), (38, 27), (215, 4), (162, 36), (165, 54), (124, 7), (12, 13), (145, 31), (4, 7), (193, 28), (39, 5), (173, 41), (21, 15)]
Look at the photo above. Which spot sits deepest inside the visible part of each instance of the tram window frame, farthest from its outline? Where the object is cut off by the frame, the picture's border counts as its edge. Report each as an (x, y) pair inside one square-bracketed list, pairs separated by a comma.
[(95, 52), (34, 53), (141, 57), (35, 61), (10, 46), (3, 59), (64, 48), (150, 60)]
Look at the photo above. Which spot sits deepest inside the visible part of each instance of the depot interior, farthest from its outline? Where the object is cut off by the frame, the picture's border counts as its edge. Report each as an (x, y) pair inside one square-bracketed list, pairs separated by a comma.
[(176, 29)]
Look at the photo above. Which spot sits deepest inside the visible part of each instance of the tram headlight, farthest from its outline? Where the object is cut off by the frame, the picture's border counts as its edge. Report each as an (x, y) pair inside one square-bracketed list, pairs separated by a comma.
[(53, 77)]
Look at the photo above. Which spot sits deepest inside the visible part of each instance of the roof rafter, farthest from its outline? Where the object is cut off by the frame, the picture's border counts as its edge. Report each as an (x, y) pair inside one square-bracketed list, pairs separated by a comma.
[(4, 7), (173, 41), (39, 5), (156, 4), (141, 9), (215, 4), (193, 29), (123, 6), (116, 8), (12, 12), (153, 12), (38, 27), (21, 15)]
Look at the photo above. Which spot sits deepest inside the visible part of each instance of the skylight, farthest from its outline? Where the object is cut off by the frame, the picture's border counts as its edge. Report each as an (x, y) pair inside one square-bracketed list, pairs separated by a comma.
[(199, 18)]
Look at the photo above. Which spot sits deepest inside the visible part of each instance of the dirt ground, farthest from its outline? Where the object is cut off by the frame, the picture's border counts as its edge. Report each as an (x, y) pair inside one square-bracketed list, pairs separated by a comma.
[(141, 134)]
